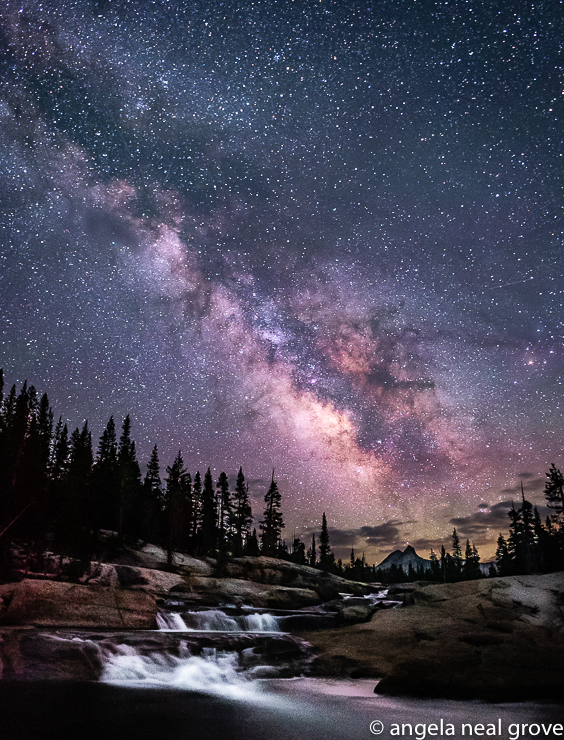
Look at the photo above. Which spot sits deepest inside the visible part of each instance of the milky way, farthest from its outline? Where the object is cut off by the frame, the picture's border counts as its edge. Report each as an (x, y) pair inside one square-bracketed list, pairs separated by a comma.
[(319, 237)]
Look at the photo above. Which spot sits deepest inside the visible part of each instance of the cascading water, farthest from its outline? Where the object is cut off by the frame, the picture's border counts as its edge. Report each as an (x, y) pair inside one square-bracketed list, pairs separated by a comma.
[(208, 650), (215, 620), (213, 671), (195, 668)]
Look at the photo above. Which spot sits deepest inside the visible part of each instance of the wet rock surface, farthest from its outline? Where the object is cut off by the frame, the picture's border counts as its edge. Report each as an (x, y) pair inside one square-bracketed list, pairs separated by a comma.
[(30, 654), (55, 604), (259, 596), (217, 591), (126, 590), (495, 639)]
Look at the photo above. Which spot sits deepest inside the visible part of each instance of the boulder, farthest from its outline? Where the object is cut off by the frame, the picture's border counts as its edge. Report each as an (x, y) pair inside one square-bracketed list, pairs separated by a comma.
[(355, 613), (149, 580), (497, 639), (351, 610), (55, 604), (216, 591), (30, 654), (273, 571), (102, 574), (152, 556), (134, 578)]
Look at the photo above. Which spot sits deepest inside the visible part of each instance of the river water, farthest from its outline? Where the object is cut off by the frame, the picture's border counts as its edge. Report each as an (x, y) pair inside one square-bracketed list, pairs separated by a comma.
[(290, 709), (214, 695)]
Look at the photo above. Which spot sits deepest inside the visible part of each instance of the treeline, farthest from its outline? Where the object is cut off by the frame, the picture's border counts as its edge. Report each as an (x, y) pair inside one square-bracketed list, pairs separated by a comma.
[(532, 546), (57, 492), (447, 567)]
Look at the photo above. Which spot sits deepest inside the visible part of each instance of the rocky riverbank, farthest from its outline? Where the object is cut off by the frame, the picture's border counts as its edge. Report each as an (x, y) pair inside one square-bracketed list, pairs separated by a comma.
[(494, 639), (57, 629), (498, 639), (125, 595)]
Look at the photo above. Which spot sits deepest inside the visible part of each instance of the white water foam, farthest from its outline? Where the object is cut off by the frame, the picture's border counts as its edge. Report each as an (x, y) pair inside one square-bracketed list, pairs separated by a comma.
[(214, 620), (211, 672)]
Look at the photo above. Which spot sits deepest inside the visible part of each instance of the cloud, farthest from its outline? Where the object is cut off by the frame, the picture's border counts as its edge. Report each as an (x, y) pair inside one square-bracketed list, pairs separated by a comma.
[(381, 535), (341, 538), (423, 546), (478, 524), (532, 482)]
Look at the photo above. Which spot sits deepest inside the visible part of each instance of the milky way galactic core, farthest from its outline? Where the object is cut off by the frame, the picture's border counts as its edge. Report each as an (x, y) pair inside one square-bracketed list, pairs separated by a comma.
[(319, 237)]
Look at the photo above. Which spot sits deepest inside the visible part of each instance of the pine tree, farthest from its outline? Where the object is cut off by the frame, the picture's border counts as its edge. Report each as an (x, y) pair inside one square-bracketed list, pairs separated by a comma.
[(33, 476), (197, 512), (130, 501), (467, 561), (476, 561), (59, 452), (18, 410), (542, 543), (252, 547), (74, 526), (471, 567), (273, 523), (105, 480), (24, 448), (173, 507), (513, 539), (208, 530), (58, 467), (521, 542), (153, 481), (435, 566), (444, 563), (154, 500), (504, 564), (44, 433), (298, 552), (527, 556), (312, 553), (188, 508), (225, 512), (326, 558), (242, 516), (554, 490), (456, 561)]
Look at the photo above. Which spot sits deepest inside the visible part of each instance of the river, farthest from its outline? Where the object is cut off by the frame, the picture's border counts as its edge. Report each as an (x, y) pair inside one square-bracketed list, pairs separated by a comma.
[(179, 693), (271, 709)]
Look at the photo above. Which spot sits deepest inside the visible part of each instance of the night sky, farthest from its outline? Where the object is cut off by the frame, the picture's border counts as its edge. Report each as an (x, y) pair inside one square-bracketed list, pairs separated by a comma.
[(320, 237)]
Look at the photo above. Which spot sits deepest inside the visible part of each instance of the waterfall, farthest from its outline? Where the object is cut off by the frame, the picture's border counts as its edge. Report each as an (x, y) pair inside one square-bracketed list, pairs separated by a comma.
[(261, 623), (172, 621), (215, 620), (212, 671)]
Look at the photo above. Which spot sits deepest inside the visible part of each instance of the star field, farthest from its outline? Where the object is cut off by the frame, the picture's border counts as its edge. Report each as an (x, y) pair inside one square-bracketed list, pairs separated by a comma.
[(318, 237)]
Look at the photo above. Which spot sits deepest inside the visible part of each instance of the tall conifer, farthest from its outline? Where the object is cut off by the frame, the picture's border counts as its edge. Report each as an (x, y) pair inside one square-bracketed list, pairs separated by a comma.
[(208, 530), (273, 523), (242, 516)]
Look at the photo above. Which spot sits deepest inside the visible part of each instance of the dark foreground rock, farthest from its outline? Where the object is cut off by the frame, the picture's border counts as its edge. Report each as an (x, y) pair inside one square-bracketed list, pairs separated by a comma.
[(123, 594), (34, 655), (496, 639)]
